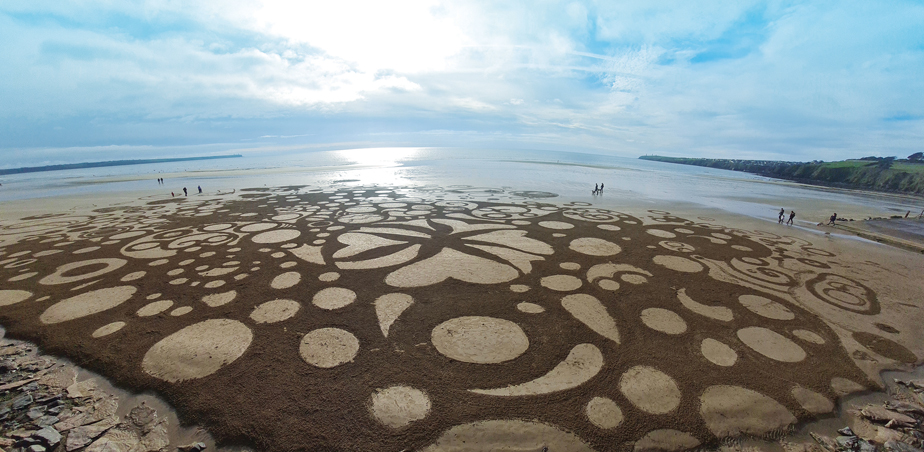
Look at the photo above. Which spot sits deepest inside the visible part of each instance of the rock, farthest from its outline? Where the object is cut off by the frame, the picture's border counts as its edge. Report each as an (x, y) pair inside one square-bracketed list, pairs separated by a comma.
[(882, 414), (6, 442), (904, 407), (884, 435), (22, 401), (48, 436), (35, 413), (194, 447), (156, 437), (915, 384), (142, 417), (116, 440), (22, 434), (898, 446), (846, 431), (865, 446), (86, 388), (81, 436), (46, 421), (846, 442), (36, 448)]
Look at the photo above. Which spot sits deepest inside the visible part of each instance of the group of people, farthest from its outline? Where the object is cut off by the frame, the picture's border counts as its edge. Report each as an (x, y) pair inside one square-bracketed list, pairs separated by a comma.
[(185, 192), (792, 215), (598, 189)]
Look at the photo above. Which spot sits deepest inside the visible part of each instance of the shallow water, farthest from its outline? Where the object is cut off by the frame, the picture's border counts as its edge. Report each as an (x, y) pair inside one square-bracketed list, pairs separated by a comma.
[(571, 175)]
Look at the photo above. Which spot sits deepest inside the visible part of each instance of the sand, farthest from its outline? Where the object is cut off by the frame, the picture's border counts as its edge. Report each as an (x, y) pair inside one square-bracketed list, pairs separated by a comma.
[(357, 318)]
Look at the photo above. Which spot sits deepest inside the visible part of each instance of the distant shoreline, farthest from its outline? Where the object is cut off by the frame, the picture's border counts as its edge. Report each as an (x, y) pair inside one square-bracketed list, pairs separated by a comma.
[(37, 169), (877, 174)]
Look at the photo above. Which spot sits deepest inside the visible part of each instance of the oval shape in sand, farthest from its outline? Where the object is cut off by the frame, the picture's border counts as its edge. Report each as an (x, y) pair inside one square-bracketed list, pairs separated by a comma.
[(277, 236), (481, 340), (603, 412), (198, 350), (561, 283), (661, 233), (286, 280), (333, 298), (771, 344), (106, 330), (678, 264), (594, 247), (733, 410), (560, 225), (718, 353), (663, 320), (328, 347), (766, 307), (397, 406), (154, 308), (58, 277), (649, 389), (812, 401), (275, 311), (507, 435), (87, 303), (8, 297)]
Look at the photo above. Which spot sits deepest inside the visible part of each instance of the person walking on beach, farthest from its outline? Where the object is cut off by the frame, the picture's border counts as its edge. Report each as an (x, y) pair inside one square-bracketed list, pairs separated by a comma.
[(596, 189), (184, 192), (832, 220), (601, 187), (200, 189), (782, 214), (792, 214)]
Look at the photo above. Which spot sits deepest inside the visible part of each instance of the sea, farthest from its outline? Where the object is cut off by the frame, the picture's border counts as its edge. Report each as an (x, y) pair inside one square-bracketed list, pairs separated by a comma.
[(570, 176)]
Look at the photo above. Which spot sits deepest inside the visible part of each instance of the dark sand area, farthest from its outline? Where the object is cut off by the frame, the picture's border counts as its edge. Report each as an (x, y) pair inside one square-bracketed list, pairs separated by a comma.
[(361, 318)]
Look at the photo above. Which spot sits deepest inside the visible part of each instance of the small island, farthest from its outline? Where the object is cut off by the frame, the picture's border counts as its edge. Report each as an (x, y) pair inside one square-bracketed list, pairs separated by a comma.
[(888, 174), (36, 169)]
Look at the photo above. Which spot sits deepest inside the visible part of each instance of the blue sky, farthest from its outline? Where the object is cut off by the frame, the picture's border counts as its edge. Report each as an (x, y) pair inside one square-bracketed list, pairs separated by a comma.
[(792, 80)]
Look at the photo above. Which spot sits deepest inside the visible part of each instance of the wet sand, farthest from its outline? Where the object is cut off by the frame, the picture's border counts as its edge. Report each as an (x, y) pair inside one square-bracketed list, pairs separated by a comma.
[(352, 317)]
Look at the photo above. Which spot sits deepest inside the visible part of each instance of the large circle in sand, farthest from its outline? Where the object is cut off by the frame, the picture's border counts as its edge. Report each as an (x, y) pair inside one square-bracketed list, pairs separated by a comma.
[(328, 347), (507, 435), (275, 311), (603, 413), (678, 264), (771, 344), (398, 406), (277, 236), (198, 350), (733, 410), (8, 297), (766, 307), (594, 247), (58, 277), (663, 320), (87, 303), (333, 298), (651, 390), (481, 340)]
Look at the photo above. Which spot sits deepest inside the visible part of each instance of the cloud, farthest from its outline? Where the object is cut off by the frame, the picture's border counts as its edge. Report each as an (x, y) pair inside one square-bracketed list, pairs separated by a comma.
[(768, 79)]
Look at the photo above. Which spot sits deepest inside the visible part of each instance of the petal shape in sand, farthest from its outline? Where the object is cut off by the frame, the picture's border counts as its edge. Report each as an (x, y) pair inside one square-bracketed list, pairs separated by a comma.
[(583, 363)]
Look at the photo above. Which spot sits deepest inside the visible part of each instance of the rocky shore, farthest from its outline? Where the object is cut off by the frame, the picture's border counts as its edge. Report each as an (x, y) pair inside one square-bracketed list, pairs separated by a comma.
[(44, 408)]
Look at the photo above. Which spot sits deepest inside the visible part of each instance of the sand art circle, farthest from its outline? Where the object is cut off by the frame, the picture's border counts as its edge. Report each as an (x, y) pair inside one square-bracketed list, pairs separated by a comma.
[(198, 350), (771, 344), (661, 233), (398, 406), (108, 329), (603, 412), (594, 247), (718, 353), (666, 440), (649, 389), (333, 298), (58, 277), (530, 308), (181, 311), (481, 340), (561, 283), (663, 320), (275, 311), (812, 401), (328, 347), (809, 336), (733, 410), (219, 299), (154, 308), (286, 280), (766, 307), (9, 297), (87, 303), (677, 263), (559, 225), (277, 236)]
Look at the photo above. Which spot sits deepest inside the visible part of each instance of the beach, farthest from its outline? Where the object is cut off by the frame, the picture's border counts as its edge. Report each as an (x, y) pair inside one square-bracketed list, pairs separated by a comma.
[(463, 304)]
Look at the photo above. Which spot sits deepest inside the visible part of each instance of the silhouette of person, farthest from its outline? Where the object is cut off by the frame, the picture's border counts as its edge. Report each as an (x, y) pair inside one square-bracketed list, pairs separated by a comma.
[(596, 188), (184, 192), (833, 219), (200, 189), (782, 214), (601, 187), (171, 194), (792, 214)]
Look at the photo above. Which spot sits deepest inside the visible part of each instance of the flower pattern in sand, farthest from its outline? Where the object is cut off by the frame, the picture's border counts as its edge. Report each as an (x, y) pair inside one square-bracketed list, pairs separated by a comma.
[(372, 317)]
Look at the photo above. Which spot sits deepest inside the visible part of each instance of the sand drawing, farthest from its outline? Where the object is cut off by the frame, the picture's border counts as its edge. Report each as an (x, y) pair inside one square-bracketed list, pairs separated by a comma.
[(369, 317)]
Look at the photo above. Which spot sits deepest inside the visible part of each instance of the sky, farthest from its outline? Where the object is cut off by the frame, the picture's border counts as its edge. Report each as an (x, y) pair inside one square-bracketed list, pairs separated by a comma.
[(784, 80)]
